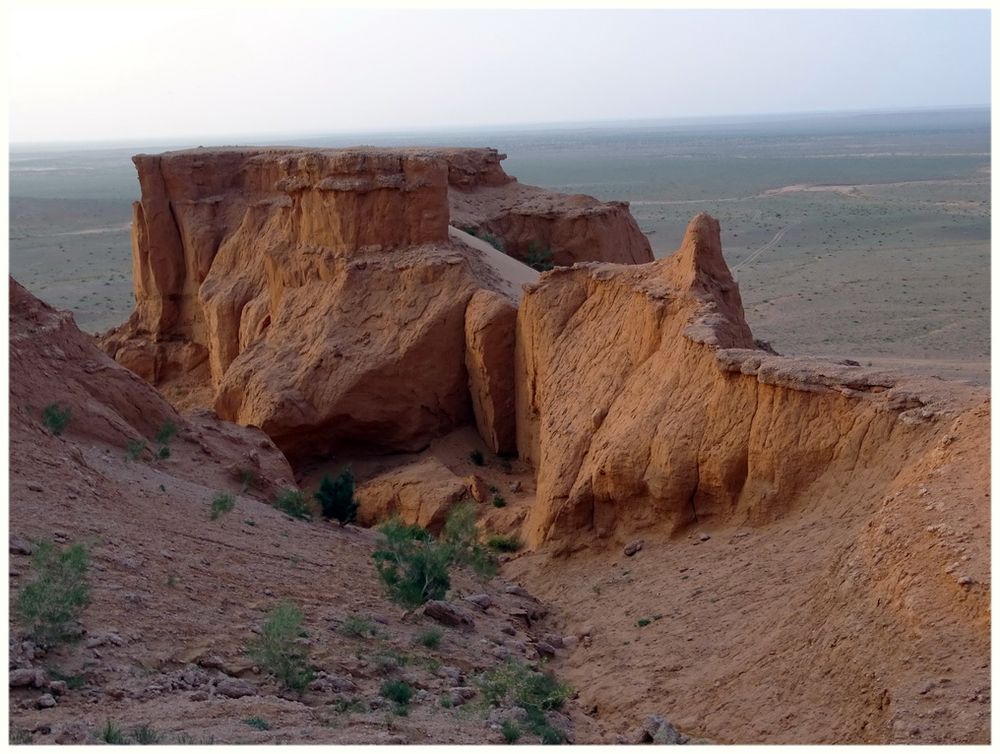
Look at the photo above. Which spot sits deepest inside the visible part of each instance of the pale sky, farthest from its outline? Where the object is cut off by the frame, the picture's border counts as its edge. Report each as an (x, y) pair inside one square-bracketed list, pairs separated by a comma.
[(82, 75)]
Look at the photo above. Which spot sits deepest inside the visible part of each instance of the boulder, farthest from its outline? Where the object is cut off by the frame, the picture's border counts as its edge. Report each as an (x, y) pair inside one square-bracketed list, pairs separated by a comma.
[(421, 493)]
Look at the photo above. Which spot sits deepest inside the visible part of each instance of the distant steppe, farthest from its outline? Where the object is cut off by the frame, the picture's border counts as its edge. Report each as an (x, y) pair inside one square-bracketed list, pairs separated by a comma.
[(862, 237)]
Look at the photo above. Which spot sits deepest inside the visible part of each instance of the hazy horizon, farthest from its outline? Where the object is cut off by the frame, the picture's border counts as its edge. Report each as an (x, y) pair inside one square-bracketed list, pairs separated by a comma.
[(156, 76)]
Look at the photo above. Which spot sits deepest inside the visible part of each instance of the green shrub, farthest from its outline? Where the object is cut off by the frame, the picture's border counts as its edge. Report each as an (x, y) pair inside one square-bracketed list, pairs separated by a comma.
[(461, 535), (477, 458), (357, 626), (112, 734), (248, 480), (514, 684), (430, 638), (396, 691), (222, 503), (258, 723), (503, 543), (499, 501), (49, 606), (277, 650), (538, 257), (412, 565), (134, 449), (511, 733), (336, 497), (166, 432), (19, 737), (56, 419), (294, 503), (163, 452), (145, 735)]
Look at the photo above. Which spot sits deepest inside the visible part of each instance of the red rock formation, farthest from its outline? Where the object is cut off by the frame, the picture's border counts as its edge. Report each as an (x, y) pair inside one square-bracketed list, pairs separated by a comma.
[(489, 358), (641, 402), (53, 363), (575, 228)]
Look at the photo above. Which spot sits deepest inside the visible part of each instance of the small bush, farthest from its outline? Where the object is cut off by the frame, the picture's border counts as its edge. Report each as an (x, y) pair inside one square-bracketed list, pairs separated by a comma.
[(166, 432), (643, 622), (56, 419), (49, 606), (112, 734), (538, 258), (503, 543), (396, 691), (461, 535), (511, 733), (248, 480), (145, 735), (222, 503), (134, 449), (499, 501), (19, 737), (357, 626), (163, 452), (336, 497), (430, 638), (550, 735), (514, 684), (477, 458), (294, 503), (258, 723), (278, 651), (412, 565)]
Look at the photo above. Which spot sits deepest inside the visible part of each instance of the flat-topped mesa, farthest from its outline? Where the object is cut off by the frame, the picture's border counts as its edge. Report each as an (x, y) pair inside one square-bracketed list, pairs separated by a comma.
[(642, 402)]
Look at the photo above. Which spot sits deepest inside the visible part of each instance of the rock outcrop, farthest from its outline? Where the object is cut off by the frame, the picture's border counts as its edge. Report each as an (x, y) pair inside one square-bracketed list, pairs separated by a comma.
[(54, 364), (321, 294), (575, 228), (642, 402)]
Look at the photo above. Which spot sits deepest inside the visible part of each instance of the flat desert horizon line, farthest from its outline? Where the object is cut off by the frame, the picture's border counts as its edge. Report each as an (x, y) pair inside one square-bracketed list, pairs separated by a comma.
[(731, 120)]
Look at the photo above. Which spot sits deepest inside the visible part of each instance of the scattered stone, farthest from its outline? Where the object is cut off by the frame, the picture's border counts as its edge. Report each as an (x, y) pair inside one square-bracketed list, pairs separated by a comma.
[(501, 652), (516, 486), (58, 687), (586, 630), (448, 614), (45, 701), (554, 639), (450, 672), (633, 547), (73, 733), (508, 629), (21, 677), (34, 486), (199, 696), (926, 688), (545, 649), (703, 537), (966, 581), (570, 642), (520, 591), (482, 601), (19, 545), (235, 688), (657, 730)]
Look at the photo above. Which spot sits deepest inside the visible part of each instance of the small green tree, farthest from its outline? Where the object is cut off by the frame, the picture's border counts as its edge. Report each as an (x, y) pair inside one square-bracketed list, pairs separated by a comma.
[(336, 497), (461, 536), (49, 606), (277, 649), (412, 565)]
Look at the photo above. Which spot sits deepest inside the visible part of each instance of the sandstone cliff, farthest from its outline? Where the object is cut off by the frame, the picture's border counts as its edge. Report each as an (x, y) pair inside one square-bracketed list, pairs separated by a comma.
[(319, 295), (641, 401), (575, 228)]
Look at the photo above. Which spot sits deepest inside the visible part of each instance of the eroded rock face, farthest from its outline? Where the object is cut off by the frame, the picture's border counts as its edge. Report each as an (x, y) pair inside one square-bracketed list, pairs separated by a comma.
[(575, 228), (53, 363), (490, 321), (321, 295), (422, 493), (642, 402)]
